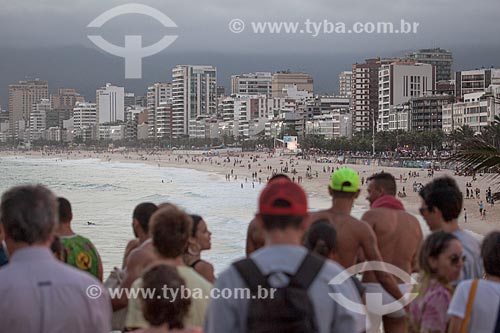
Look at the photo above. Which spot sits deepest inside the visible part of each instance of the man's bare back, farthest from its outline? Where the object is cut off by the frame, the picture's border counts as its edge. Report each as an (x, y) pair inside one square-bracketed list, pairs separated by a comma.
[(398, 236), (352, 235)]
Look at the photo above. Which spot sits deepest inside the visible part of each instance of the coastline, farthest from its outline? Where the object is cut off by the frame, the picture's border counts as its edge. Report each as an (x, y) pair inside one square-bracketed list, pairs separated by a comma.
[(316, 187)]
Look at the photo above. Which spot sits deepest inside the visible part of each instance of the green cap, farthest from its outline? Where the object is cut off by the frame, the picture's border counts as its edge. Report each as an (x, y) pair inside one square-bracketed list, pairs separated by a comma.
[(345, 180)]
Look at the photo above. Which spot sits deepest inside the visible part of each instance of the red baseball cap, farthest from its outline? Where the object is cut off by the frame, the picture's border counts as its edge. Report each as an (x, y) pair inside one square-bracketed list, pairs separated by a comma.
[(285, 190)]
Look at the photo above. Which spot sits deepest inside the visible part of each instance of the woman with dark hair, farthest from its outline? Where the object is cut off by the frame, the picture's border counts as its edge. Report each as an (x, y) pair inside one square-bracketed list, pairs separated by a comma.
[(199, 240), (165, 312), (475, 306), (321, 238), (441, 261)]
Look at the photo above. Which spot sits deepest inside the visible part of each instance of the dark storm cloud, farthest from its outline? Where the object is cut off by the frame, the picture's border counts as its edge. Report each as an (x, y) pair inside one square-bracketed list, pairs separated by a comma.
[(203, 25)]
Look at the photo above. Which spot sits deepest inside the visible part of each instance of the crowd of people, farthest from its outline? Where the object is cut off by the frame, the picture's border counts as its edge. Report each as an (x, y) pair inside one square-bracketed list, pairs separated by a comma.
[(51, 279)]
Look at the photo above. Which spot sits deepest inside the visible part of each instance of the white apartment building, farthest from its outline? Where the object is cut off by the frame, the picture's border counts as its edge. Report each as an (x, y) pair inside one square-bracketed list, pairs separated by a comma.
[(194, 94), (475, 111), (111, 132), (398, 82), (399, 117), (110, 104), (345, 83), (157, 94), (258, 83), (84, 115), (38, 119)]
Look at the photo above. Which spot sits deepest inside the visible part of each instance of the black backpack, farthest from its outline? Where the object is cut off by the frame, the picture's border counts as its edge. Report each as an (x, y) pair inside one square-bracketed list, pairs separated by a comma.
[(290, 310)]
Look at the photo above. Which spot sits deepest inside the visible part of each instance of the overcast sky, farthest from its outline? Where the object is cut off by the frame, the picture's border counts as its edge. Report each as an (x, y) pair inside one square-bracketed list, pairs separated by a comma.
[(203, 24)]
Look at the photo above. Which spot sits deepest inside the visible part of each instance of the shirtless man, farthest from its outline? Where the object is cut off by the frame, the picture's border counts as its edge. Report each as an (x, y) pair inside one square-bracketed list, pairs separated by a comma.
[(140, 221), (139, 258), (399, 237), (353, 235)]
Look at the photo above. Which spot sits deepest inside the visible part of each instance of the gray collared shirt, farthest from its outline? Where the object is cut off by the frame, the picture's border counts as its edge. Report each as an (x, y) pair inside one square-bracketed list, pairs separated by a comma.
[(39, 294)]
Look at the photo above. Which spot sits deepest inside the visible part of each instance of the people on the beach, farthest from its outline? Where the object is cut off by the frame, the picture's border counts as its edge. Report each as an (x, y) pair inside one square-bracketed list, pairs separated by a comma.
[(441, 207), (356, 235), (441, 261), (199, 240), (163, 314), (38, 292), (80, 252), (483, 295), (399, 237), (282, 213), (170, 230)]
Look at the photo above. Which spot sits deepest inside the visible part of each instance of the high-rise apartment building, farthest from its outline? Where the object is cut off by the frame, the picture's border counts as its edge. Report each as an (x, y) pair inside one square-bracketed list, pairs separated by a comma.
[(345, 83), (62, 105), (398, 83), (439, 58), (157, 94), (84, 115), (364, 106), (303, 82), (194, 94), (110, 103), (38, 117), (21, 98), (258, 83)]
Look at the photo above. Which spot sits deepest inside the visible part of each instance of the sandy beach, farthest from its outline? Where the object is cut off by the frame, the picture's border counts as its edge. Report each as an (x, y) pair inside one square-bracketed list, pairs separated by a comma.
[(239, 168)]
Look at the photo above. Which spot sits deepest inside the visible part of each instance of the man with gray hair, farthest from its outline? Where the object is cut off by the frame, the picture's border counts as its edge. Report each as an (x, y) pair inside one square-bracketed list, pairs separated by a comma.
[(40, 293)]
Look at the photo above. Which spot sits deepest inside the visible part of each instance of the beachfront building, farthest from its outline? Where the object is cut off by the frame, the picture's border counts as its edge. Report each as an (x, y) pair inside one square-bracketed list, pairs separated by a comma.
[(158, 93), (398, 83), (345, 83), (194, 94), (132, 114), (399, 117), (128, 100), (111, 132), (320, 105), (331, 125), (38, 117), (84, 115), (364, 89), (426, 112), (21, 98), (110, 104), (472, 81), (473, 111), (303, 82), (441, 59), (258, 83)]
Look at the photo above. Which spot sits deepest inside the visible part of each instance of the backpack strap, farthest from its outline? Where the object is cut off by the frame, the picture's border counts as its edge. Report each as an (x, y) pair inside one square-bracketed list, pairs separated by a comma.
[(310, 267), (497, 325), (251, 274), (470, 302)]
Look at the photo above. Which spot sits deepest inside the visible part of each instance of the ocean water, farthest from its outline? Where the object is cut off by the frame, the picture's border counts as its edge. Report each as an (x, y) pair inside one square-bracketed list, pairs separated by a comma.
[(106, 193)]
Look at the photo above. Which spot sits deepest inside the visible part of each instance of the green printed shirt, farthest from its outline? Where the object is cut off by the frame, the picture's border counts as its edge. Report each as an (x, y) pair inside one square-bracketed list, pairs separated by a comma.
[(81, 253)]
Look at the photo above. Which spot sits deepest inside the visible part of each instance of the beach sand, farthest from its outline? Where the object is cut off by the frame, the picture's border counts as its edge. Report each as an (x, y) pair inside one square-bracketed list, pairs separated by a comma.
[(316, 187)]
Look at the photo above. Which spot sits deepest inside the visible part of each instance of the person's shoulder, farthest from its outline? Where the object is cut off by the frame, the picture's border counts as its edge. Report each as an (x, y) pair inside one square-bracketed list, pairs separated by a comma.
[(193, 277)]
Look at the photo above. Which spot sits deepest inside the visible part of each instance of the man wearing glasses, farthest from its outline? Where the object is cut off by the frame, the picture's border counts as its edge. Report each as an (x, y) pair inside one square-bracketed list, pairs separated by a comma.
[(441, 206)]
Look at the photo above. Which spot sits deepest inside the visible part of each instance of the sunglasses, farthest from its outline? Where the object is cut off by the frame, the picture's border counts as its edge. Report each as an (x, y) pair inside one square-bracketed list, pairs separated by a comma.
[(455, 259)]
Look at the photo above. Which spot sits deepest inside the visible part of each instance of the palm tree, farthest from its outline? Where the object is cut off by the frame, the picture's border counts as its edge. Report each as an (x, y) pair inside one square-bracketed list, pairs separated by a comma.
[(478, 155)]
